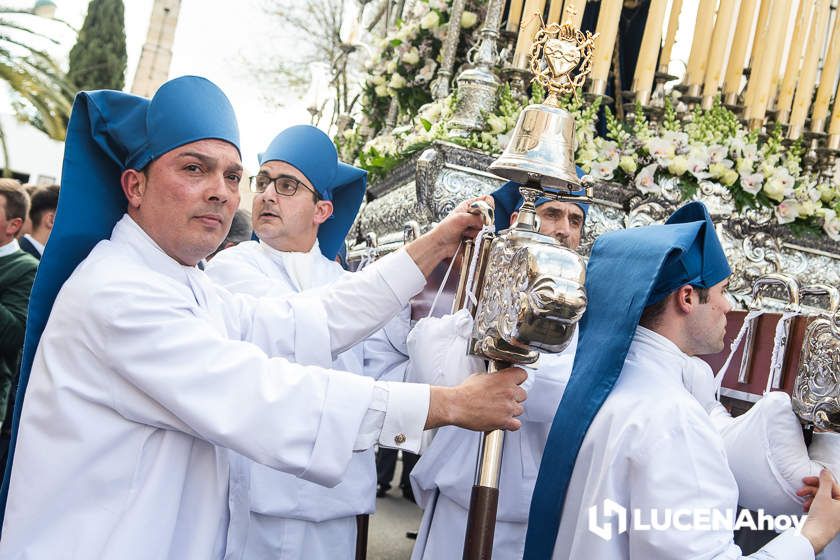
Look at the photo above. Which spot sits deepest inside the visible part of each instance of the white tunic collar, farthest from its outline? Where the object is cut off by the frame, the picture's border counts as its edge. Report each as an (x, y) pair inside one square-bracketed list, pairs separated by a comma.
[(129, 232), (297, 265), (691, 371)]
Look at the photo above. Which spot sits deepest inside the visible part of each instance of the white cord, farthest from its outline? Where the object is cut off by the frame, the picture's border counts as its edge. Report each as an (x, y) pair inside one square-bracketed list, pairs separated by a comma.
[(474, 261), (445, 278), (733, 348)]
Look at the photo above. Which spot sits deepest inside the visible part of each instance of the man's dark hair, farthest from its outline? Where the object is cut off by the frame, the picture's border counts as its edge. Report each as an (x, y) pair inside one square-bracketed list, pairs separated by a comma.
[(43, 200), (653, 313), (17, 202)]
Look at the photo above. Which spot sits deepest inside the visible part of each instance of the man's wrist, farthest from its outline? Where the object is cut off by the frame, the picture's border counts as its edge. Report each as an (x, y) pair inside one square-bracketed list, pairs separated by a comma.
[(427, 251), (442, 405)]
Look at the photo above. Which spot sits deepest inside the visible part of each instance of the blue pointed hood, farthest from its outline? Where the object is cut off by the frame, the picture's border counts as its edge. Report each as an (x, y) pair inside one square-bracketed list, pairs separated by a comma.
[(627, 271), (109, 132), (312, 153)]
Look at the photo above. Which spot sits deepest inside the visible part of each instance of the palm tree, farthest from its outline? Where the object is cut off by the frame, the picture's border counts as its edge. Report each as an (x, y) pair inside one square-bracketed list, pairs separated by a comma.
[(42, 95)]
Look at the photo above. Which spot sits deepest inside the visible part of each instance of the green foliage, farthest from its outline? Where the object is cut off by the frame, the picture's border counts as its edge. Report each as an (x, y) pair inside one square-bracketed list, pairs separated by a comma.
[(98, 59)]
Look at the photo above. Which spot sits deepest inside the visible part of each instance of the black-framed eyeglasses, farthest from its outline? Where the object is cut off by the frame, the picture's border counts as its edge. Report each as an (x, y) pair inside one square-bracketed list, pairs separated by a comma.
[(284, 185)]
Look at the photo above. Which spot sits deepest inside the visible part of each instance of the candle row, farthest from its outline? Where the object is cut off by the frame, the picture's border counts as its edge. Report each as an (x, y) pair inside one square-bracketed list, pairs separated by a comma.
[(783, 74)]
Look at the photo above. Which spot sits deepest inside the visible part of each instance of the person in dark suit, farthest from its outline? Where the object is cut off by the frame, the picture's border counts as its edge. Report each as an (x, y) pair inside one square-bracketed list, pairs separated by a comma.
[(42, 215), (17, 272)]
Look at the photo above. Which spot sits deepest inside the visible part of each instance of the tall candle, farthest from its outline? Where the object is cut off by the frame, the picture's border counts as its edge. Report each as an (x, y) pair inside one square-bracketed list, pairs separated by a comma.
[(805, 89), (794, 60), (528, 27), (735, 66), (607, 29), (828, 78), (670, 36), (834, 123), (648, 51), (777, 72), (762, 74), (555, 8), (514, 14), (720, 40), (763, 14), (573, 12), (699, 54)]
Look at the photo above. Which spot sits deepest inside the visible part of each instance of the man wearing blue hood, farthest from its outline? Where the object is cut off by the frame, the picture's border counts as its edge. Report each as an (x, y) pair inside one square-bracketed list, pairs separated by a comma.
[(633, 467), (138, 371), (443, 479), (305, 203)]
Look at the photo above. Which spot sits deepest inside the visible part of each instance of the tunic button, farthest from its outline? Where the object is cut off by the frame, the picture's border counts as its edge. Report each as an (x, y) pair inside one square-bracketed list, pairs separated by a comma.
[(399, 439)]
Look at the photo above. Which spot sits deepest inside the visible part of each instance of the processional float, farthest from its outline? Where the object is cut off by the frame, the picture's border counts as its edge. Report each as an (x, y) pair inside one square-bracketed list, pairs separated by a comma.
[(526, 290)]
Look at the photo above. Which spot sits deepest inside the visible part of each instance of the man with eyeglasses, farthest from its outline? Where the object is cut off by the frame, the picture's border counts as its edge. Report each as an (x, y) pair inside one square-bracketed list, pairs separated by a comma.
[(304, 205)]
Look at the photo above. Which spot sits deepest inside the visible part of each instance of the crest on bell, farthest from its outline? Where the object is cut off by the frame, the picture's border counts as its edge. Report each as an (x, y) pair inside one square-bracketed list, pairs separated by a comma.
[(561, 59)]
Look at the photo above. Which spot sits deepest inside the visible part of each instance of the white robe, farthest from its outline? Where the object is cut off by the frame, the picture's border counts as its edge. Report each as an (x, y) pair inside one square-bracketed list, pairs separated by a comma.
[(147, 370), (291, 518), (652, 445), (444, 476)]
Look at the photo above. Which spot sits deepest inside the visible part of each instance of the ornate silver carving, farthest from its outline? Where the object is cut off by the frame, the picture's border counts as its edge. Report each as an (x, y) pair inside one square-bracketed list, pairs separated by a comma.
[(816, 395)]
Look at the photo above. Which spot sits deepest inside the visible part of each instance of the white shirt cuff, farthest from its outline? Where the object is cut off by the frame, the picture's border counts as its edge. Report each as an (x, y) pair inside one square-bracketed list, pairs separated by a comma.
[(401, 274), (405, 415), (789, 545)]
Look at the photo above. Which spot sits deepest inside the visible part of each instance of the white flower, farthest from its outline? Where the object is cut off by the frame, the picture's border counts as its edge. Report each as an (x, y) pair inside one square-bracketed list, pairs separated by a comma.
[(397, 82), (744, 166), (426, 73), (661, 148), (698, 166), (468, 19), (381, 90), (718, 169), (752, 183), (391, 67), (826, 192), (774, 189), (378, 80), (430, 20), (602, 170), (678, 139), (808, 208), (411, 57), (678, 166), (831, 225), (784, 177), (729, 177), (431, 112), (420, 10), (438, 5), (645, 180), (608, 148), (628, 164), (787, 211), (716, 153)]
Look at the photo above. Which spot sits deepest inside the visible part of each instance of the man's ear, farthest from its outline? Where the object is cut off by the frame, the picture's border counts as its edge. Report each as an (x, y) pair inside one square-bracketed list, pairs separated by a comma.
[(49, 219), (323, 210), (513, 218), (13, 226), (683, 299), (133, 184)]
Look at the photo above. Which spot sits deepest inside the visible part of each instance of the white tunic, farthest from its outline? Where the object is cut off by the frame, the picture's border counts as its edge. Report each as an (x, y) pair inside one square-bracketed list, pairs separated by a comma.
[(147, 370), (290, 517), (444, 476), (652, 445)]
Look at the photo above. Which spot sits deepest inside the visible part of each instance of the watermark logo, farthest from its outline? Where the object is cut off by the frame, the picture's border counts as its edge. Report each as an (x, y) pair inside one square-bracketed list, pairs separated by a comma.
[(613, 519)]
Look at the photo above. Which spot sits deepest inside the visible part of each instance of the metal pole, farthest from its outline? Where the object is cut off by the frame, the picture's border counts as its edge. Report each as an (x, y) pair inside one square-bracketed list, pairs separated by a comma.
[(484, 501)]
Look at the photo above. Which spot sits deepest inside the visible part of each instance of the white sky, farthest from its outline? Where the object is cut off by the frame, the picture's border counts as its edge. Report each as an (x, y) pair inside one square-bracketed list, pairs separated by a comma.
[(213, 39)]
